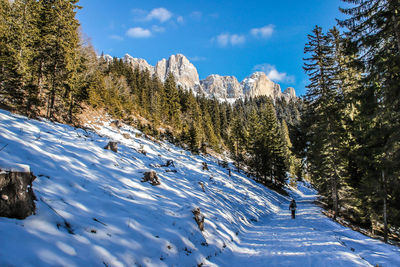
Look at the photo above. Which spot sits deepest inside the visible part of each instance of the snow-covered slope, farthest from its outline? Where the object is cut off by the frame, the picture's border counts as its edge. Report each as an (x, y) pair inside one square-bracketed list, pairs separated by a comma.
[(93, 209)]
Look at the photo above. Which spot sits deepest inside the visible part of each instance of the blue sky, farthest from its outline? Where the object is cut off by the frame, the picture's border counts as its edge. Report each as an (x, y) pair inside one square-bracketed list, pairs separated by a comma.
[(219, 37)]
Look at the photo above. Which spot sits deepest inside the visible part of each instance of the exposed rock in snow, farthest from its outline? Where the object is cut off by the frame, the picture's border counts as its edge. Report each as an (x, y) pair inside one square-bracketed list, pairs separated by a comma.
[(151, 177), (113, 146), (199, 218)]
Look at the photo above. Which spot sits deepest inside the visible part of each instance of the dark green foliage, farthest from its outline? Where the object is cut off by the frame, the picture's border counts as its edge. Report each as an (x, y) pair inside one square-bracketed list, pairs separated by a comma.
[(352, 114)]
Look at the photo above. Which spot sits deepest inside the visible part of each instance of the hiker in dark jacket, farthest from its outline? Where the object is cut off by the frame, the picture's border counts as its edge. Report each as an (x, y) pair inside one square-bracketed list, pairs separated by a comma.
[(292, 207)]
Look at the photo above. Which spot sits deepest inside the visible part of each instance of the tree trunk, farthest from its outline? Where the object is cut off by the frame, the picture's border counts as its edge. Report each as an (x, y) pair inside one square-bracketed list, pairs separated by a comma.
[(52, 94), (335, 197), (385, 225), (71, 106)]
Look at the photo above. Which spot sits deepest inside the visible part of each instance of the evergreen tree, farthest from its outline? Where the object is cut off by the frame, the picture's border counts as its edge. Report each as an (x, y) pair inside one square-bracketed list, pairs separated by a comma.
[(59, 42), (172, 105), (17, 51), (325, 99), (374, 26), (238, 141)]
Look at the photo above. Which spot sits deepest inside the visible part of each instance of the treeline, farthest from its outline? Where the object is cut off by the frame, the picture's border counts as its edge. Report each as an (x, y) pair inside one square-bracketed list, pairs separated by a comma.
[(48, 69), (42, 65), (352, 111)]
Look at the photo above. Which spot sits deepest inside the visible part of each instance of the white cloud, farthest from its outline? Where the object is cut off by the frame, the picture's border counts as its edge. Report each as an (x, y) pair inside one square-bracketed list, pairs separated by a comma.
[(116, 37), (263, 32), (196, 15), (156, 28), (237, 39), (225, 39), (160, 14), (138, 32), (274, 74), (180, 19)]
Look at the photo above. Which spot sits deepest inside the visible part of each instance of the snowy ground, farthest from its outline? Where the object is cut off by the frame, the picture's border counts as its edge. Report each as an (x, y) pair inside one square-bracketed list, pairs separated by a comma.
[(93, 210)]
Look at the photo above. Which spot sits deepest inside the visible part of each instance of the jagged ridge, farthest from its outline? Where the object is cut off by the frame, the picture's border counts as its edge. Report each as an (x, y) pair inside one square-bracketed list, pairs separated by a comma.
[(220, 87)]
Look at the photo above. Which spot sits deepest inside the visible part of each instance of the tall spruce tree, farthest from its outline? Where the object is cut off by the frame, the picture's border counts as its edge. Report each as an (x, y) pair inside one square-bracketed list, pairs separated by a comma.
[(58, 48), (325, 97), (374, 26), (172, 105)]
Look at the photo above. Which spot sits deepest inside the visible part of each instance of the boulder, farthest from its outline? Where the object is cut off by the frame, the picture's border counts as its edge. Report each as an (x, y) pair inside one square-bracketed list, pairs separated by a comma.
[(16, 193), (113, 146)]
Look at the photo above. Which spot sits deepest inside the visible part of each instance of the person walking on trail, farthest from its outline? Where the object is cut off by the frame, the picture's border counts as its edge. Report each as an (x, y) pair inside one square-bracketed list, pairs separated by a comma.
[(292, 207)]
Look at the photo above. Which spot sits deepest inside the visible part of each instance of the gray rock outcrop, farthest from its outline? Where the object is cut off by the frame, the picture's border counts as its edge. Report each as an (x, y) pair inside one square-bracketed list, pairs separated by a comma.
[(222, 87), (180, 67), (289, 94), (139, 63), (258, 84)]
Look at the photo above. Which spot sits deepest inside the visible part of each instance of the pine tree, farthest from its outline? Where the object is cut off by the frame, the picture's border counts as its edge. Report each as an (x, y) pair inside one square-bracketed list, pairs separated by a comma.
[(172, 105), (17, 51), (287, 146), (325, 99), (59, 42), (238, 141), (374, 26)]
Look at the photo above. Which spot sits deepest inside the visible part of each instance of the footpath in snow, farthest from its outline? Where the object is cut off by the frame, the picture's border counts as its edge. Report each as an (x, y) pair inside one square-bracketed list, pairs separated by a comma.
[(93, 209), (311, 239)]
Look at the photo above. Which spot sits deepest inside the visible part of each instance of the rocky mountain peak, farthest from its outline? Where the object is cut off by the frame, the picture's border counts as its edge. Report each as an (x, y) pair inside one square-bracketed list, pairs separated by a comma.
[(184, 72), (222, 87), (258, 84), (139, 63), (289, 93), (107, 58)]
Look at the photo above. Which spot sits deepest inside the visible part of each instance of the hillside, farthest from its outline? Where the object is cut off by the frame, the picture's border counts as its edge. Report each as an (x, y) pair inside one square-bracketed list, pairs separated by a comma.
[(93, 209)]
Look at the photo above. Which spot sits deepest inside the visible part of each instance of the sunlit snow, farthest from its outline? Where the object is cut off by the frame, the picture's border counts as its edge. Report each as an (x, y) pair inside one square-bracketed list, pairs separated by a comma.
[(93, 209)]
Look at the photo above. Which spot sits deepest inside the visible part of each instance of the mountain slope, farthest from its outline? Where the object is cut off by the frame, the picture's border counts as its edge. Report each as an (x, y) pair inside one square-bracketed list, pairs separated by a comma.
[(93, 209)]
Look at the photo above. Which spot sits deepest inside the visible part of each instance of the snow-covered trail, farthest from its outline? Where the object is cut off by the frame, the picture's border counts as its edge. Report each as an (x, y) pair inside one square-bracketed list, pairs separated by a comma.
[(311, 239)]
